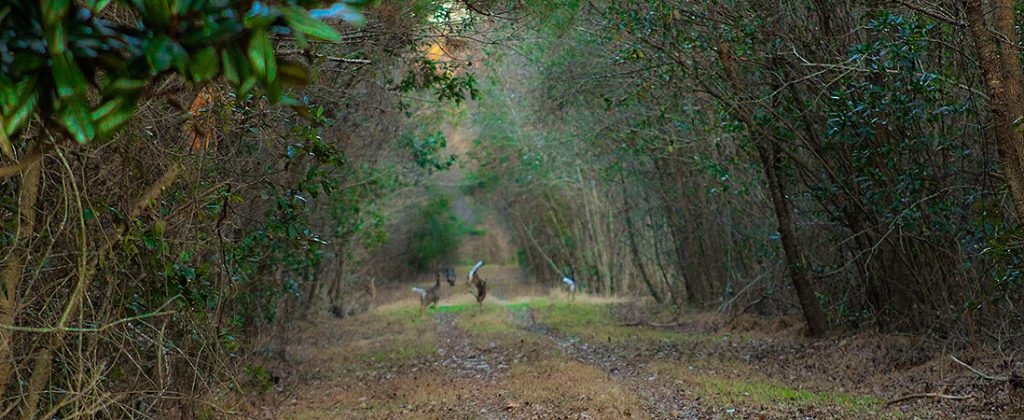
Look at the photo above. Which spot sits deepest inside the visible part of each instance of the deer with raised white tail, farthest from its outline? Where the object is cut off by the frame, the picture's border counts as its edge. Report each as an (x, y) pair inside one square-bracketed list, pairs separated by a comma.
[(570, 284), (479, 283), (430, 297)]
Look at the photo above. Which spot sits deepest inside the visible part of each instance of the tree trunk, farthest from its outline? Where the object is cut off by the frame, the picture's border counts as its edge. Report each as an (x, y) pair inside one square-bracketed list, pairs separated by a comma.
[(697, 294), (1003, 79), (813, 314), (635, 249)]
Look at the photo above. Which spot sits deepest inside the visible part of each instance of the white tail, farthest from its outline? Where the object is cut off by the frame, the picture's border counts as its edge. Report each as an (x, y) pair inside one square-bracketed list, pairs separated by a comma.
[(570, 283), (421, 291), (475, 267)]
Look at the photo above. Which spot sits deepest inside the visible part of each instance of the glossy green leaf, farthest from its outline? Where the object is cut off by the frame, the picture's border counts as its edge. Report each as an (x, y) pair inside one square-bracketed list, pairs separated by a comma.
[(204, 64), (181, 7), (157, 13), (125, 85), (230, 68), (116, 116), (20, 113), (246, 86), (274, 91), (300, 20), (53, 10), (68, 76), (97, 6), (73, 115), (56, 39), (106, 108), (293, 73), (158, 53), (261, 56)]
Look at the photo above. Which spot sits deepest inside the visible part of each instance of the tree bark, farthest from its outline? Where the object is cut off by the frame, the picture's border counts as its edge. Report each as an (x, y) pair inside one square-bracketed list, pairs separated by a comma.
[(1003, 80), (813, 314)]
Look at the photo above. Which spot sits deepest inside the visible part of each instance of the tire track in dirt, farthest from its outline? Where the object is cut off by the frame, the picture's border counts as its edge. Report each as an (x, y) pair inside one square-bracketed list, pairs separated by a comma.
[(664, 399), (464, 359)]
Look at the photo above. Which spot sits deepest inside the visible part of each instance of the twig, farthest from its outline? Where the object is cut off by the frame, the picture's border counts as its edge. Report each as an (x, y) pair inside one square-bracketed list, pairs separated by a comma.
[(980, 373), (928, 395), (158, 312), (23, 163)]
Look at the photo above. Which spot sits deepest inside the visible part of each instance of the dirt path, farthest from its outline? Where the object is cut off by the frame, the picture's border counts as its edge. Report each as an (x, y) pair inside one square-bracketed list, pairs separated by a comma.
[(537, 356)]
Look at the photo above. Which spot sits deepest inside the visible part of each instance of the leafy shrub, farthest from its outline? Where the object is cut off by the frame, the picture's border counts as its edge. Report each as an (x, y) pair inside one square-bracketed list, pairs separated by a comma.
[(438, 235)]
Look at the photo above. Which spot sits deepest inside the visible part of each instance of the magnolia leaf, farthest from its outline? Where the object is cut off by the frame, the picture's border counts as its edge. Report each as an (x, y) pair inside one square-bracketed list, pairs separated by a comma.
[(300, 20), (111, 121), (261, 56), (20, 114), (293, 73), (204, 64), (73, 115), (157, 13), (348, 12), (230, 69)]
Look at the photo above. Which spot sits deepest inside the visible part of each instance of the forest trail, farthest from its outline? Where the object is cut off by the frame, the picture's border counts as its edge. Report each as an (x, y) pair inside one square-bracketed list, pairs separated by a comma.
[(532, 354)]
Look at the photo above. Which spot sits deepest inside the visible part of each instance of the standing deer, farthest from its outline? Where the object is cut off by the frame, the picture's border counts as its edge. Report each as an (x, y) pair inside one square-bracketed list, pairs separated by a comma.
[(479, 283), (430, 297), (571, 285), (449, 275)]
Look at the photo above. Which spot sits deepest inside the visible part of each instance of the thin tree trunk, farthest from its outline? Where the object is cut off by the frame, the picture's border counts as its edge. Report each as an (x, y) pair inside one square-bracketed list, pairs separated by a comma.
[(813, 314), (635, 249), (696, 294)]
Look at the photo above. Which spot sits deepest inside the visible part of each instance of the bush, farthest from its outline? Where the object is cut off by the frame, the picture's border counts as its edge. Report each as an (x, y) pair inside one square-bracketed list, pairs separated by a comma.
[(438, 234)]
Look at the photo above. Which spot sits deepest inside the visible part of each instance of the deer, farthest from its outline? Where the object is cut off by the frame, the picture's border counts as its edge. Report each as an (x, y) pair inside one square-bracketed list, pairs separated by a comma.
[(430, 297), (570, 284), (449, 275), (481, 285)]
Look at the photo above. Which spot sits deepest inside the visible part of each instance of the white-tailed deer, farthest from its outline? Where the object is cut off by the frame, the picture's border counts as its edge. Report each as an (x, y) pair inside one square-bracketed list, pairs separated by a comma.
[(571, 285), (430, 297), (449, 275), (481, 285)]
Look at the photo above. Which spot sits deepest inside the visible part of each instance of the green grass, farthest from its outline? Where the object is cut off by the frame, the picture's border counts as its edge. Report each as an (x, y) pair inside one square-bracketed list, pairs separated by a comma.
[(752, 394), (756, 390), (494, 319), (596, 321), (402, 351), (774, 394)]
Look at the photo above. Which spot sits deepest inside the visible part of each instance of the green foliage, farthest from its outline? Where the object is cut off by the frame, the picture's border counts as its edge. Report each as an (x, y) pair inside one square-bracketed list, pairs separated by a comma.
[(73, 62), (438, 233), (480, 181), (260, 378), (426, 151), (443, 79)]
